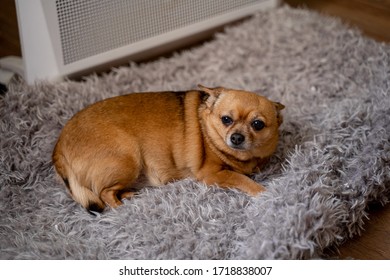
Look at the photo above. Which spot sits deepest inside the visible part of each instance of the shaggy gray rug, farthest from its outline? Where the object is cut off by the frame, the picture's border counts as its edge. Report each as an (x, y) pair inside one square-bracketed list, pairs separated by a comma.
[(333, 158)]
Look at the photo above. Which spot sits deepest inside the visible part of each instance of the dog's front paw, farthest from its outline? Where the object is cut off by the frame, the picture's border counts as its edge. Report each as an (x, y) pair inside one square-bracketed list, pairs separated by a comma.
[(255, 189)]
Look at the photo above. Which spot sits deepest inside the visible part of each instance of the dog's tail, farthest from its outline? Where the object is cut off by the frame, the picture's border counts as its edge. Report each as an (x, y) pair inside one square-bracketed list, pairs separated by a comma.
[(82, 194)]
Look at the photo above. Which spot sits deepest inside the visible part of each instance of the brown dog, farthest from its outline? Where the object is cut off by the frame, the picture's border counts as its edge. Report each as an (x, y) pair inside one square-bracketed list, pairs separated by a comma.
[(214, 135)]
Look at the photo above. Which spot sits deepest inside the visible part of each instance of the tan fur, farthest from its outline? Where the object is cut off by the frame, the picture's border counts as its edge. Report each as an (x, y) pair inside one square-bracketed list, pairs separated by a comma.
[(164, 136)]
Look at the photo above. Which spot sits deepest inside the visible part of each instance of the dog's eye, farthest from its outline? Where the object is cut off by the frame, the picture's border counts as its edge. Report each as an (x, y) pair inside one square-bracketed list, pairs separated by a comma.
[(258, 125), (227, 120)]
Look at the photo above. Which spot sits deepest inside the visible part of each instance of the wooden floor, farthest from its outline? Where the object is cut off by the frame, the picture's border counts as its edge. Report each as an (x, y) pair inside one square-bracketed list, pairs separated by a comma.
[(373, 18), (9, 34)]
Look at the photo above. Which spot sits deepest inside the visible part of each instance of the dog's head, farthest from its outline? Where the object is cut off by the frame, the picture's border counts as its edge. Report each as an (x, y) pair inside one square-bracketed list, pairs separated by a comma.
[(240, 123)]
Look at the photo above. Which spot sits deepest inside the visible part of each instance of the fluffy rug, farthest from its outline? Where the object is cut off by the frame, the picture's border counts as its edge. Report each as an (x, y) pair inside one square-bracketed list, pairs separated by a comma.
[(333, 159)]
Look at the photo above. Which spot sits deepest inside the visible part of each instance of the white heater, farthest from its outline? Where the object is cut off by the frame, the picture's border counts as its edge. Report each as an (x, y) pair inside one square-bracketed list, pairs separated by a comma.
[(62, 38)]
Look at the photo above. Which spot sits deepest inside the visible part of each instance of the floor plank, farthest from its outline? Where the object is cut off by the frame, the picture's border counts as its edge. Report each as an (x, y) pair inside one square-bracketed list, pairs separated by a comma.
[(371, 16)]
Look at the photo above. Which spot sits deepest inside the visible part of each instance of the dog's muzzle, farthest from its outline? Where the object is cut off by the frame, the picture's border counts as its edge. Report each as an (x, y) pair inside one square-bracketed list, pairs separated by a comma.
[(236, 141)]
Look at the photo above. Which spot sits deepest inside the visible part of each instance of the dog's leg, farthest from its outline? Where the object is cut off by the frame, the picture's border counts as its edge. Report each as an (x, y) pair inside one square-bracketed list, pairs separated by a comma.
[(119, 185), (121, 189), (231, 179), (126, 195), (113, 195)]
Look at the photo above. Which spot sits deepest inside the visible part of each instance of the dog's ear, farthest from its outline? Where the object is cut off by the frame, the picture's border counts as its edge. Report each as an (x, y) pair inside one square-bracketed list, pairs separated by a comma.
[(279, 107), (212, 95)]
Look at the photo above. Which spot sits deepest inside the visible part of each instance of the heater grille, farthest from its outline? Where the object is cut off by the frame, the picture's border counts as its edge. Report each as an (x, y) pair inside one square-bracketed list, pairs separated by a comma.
[(90, 27)]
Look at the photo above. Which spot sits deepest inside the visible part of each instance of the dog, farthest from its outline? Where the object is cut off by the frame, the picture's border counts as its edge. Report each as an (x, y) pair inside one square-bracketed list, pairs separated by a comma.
[(217, 136)]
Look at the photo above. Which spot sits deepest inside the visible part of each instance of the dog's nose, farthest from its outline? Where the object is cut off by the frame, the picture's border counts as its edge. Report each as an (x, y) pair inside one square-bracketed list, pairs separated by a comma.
[(237, 138)]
